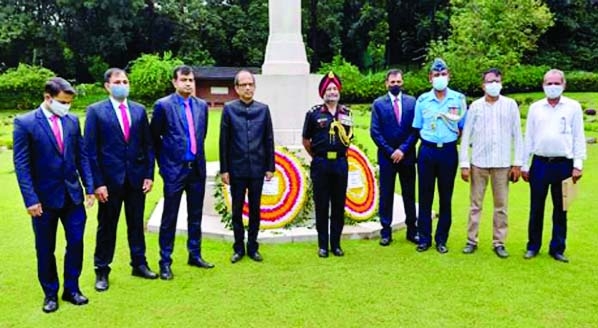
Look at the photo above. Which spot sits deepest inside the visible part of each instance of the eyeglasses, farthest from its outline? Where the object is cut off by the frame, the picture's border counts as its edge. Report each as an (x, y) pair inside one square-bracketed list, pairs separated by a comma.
[(243, 85)]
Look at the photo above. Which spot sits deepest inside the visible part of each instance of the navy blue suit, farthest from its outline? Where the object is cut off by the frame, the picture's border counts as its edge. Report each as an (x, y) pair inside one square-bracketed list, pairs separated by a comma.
[(171, 143), (53, 179), (121, 166), (389, 136)]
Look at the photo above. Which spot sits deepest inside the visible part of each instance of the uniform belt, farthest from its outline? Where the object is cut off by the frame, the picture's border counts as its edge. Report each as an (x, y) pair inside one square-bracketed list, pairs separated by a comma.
[(552, 159), (334, 154), (189, 164), (438, 144)]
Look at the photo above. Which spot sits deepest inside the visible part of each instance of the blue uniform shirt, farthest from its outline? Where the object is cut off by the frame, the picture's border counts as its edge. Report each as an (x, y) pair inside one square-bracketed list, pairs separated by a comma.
[(431, 116)]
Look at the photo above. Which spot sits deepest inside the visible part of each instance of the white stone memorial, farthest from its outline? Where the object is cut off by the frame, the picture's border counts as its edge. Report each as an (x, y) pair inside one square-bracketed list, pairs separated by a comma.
[(289, 89)]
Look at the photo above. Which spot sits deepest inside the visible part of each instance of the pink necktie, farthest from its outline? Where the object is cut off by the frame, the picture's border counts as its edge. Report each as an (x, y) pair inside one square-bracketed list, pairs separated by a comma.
[(397, 109), (126, 127), (191, 126), (56, 131)]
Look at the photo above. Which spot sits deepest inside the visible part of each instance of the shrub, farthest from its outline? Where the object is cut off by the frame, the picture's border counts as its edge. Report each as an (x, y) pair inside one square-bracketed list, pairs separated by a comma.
[(151, 76), (22, 87)]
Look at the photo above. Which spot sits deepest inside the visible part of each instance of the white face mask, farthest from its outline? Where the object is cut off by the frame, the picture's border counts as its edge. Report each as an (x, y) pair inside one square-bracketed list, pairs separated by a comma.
[(493, 88), (58, 108), (553, 91), (440, 83)]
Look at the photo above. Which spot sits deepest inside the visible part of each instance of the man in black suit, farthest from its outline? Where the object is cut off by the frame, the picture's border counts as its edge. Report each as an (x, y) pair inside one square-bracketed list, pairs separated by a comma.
[(246, 156), (50, 162), (119, 146), (391, 130), (179, 127)]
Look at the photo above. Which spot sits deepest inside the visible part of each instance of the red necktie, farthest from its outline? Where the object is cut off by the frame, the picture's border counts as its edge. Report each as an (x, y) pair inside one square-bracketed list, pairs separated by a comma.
[(125, 118), (191, 126), (56, 131), (397, 109)]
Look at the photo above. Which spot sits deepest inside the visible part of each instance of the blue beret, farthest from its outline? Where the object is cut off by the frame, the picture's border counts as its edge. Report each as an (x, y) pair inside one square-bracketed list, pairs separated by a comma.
[(438, 65)]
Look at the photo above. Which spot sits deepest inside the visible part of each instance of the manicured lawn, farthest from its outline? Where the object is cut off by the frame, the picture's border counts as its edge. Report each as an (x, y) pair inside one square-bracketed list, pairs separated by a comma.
[(371, 286)]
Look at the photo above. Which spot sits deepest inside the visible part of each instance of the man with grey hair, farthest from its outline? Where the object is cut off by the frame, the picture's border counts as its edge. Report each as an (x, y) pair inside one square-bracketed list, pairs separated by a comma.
[(246, 159), (555, 140)]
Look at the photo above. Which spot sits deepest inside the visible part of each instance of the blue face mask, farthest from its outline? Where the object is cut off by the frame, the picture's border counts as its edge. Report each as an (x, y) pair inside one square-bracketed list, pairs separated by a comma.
[(440, 83), (493, 89), (119, 91)]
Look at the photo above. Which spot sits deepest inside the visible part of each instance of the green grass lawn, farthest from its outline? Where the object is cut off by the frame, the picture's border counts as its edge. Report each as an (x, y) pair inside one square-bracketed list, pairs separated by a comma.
[(371, 286)]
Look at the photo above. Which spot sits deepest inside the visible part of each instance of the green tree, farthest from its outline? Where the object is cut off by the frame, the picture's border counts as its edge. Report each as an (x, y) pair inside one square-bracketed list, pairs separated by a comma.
[(488, 33), (571, 43)]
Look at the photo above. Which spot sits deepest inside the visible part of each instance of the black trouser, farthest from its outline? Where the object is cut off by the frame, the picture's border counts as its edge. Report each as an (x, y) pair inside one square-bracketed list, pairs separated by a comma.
[(387, 178), (329, 178), (194, 188), (108, 215), (547, 173), (253, 186)]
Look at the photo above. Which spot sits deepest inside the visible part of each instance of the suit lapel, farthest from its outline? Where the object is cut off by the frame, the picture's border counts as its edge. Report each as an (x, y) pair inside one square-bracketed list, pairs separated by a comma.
[(42, 120), (113, 119)]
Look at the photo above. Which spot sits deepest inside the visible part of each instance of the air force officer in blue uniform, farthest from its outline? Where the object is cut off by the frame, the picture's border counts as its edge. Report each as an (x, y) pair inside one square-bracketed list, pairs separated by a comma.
[(392, 131), (50, 162), (439, 117)]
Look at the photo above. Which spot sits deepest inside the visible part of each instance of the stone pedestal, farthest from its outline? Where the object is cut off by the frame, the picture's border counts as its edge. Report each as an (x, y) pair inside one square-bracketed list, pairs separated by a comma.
[(289, 98)]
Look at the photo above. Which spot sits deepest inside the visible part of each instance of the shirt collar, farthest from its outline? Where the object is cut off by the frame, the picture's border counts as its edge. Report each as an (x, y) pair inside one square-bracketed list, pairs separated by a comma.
[(48, 114), (116, 103), (392, 97)]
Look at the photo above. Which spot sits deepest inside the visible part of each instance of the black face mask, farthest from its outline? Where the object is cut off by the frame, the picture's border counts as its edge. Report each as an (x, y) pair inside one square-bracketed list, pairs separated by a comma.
[(395, 90)]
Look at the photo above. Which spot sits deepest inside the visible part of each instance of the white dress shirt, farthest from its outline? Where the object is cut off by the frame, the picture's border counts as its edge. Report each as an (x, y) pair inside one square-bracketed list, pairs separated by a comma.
[(555, 131), (494, 133), (115, 104), (48, 114)]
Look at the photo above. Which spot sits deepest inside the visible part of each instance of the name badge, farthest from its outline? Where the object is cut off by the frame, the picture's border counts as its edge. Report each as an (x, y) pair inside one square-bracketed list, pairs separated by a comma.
[(345, 120), (331, 155)]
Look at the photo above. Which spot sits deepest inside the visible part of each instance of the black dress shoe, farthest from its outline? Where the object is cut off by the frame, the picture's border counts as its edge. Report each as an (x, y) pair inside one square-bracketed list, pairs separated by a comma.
[(322, 252), (166, 273), (144, 271), (501, 252), (441, 248), (422, 247), (199, 262), (530, 254), (75, 298), (413, 238), (236, 257), (469, 248), (50, 304), (338, 252), (559, 257), (256, 257), (385, 241), (101, 282)]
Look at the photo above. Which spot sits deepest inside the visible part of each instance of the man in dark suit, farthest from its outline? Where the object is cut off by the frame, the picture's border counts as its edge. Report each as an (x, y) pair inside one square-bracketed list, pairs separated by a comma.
[(391, 130), (119, 146), (49, 160), (246, 156), (179, 127)]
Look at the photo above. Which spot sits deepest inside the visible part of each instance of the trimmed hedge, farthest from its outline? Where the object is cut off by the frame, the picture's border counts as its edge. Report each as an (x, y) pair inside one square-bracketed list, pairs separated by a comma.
[(364, 88), (22, 87)]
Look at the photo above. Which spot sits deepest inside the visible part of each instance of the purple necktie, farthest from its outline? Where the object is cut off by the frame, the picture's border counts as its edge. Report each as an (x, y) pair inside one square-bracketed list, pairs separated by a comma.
[(56, 131), (126, 127), (191, 126), (397, 109)]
